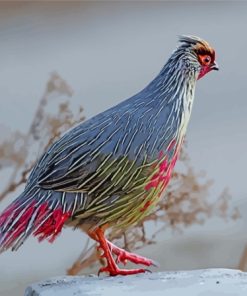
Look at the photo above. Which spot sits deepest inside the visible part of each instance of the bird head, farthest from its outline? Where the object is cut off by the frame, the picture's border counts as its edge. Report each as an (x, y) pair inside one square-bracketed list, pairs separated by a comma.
[(200, 54)]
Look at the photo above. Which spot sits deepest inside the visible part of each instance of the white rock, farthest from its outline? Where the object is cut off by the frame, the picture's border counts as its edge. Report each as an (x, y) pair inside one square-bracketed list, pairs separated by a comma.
[(207, 282)]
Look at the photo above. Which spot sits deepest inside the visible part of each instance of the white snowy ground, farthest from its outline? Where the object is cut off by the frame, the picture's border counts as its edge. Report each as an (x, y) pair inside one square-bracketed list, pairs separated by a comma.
[(206, 282)]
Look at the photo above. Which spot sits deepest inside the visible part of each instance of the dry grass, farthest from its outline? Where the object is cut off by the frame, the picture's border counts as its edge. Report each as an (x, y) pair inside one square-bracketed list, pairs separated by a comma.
[(186, 201), (21, 151)]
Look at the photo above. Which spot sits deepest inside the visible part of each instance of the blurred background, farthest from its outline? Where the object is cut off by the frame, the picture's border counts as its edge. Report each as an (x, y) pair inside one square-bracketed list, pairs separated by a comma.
[(106, 52)]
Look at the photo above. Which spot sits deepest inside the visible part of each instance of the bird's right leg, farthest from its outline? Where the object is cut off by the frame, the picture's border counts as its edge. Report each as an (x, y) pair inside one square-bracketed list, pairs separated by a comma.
[(111, 266), (124, 256)]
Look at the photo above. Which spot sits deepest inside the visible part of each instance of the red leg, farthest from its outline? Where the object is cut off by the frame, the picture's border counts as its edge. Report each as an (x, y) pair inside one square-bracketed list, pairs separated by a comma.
[(111, 266), (124, 256)]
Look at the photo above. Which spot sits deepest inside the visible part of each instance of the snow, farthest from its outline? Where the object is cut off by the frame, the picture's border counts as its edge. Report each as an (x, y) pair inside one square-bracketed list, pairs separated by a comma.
[(213, 282)]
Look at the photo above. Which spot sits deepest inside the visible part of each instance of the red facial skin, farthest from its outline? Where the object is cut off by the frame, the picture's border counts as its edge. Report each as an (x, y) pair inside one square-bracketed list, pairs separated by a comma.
[(204, 71), (207, 63)]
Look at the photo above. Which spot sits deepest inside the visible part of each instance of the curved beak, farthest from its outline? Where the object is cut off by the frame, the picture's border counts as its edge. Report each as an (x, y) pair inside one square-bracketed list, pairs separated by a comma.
[(214, 66)]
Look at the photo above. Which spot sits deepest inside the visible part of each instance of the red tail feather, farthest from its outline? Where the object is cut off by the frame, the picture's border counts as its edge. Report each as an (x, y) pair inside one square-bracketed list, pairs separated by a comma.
[(18, 222), (52, 226)]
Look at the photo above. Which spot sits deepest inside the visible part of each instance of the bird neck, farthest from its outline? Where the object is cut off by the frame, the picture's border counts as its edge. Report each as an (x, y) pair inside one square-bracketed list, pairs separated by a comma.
[(171, 95), (175, 84)]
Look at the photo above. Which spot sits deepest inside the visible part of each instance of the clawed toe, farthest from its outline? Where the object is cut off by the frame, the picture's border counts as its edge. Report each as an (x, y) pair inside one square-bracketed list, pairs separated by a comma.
[(124, 256), (118, 271), (154, 263)]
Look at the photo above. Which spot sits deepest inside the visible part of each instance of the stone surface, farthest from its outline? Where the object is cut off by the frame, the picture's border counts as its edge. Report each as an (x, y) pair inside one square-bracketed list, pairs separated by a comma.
[(213, 282)]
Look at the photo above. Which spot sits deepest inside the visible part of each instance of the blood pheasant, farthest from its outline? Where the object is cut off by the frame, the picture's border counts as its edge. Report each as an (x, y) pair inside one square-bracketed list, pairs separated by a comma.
[(111, 170)]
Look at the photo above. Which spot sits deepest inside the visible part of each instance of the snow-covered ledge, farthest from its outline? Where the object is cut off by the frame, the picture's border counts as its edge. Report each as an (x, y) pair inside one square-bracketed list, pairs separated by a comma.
[(207, 282)]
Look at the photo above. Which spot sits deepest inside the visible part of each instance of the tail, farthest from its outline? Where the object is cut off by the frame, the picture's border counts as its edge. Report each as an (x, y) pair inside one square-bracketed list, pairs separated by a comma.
[(39, 212)]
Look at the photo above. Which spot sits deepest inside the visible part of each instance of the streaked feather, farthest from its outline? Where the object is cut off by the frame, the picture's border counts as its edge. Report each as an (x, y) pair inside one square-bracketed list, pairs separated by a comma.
[(112, 168)]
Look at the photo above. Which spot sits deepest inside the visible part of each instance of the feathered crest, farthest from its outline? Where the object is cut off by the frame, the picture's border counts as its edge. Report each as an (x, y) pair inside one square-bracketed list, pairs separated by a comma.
[(196, 43)]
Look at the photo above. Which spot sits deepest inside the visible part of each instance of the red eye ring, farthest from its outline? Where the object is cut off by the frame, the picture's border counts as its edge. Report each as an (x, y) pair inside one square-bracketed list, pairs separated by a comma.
[(206, 60)]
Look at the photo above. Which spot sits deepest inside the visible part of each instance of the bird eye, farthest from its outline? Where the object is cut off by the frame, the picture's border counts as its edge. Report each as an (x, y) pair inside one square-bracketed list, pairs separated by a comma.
[(206, 60)]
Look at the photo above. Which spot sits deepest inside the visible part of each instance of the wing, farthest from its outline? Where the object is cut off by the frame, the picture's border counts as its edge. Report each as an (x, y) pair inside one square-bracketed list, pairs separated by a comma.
[(91, 151), (106, 153)]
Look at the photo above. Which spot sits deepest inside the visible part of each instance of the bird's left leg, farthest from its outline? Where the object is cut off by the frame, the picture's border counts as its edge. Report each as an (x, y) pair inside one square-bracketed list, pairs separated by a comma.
[(124, 256), (111, 265)]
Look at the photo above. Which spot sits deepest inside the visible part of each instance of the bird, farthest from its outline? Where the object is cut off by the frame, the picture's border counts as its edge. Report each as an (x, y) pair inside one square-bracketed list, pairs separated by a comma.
[(110, 171)]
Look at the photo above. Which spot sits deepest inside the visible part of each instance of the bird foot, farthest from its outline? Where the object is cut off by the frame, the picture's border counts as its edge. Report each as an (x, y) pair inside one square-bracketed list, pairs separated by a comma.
[(117, 271), (124, 256), (111, 267)]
